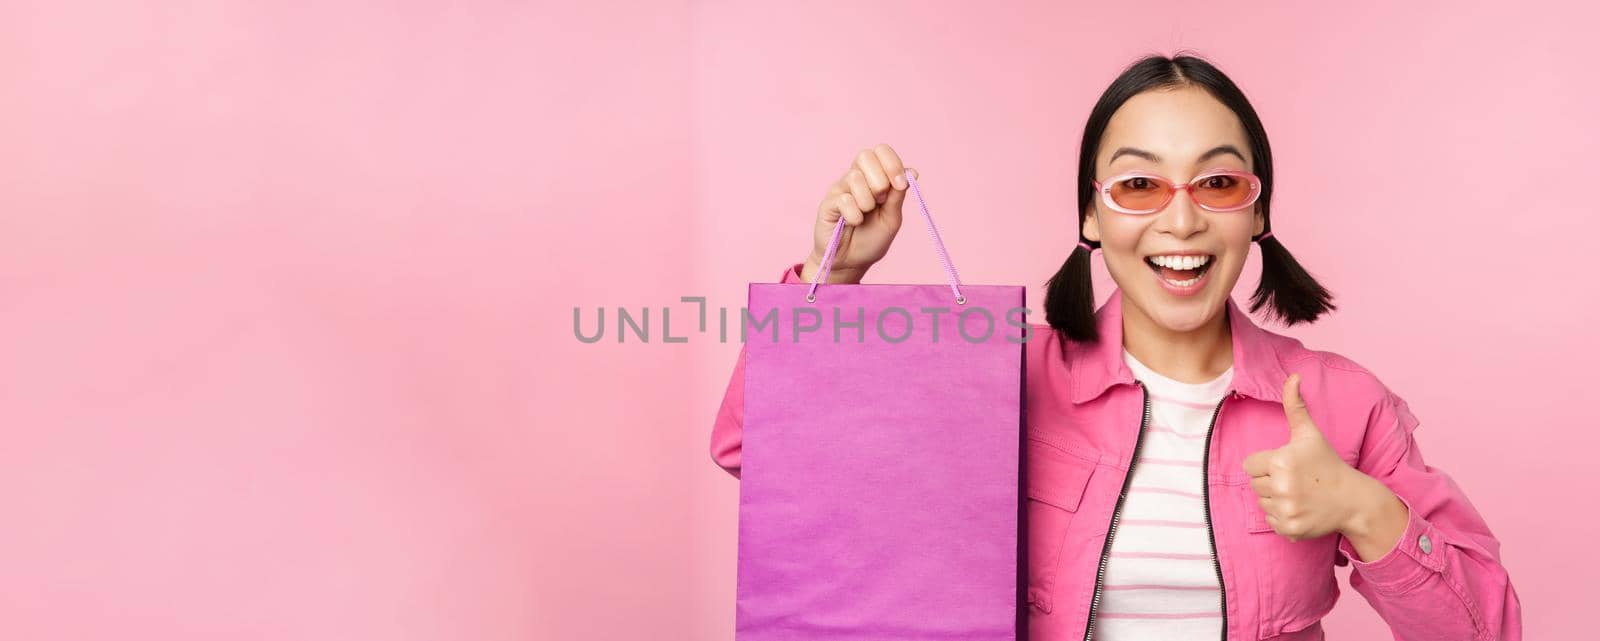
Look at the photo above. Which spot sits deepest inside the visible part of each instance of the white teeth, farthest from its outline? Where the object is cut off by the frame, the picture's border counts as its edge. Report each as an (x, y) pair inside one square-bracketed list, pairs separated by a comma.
[(1180, 262)]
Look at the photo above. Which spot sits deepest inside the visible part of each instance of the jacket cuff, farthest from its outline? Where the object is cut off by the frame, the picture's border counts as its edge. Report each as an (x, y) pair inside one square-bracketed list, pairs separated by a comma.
[(792, 275), (1420, 550)]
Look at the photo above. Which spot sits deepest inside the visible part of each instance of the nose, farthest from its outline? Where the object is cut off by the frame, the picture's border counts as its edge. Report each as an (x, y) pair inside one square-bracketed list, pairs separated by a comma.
[(1182, 217)]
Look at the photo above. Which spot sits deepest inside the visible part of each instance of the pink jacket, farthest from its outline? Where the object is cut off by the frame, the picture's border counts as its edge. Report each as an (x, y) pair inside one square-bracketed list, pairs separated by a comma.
[(1443, 579)]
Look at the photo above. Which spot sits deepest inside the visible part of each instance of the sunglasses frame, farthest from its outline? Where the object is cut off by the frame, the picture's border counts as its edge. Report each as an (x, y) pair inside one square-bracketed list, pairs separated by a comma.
[(1104, 190)]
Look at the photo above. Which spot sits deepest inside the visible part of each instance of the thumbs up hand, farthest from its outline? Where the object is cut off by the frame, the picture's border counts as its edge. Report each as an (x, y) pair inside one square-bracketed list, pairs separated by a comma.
[(1306, 490)]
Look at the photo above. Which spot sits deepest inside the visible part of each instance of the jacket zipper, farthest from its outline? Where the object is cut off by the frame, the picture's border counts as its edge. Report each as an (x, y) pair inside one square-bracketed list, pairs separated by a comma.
[(1116, 513), (1205, 489)]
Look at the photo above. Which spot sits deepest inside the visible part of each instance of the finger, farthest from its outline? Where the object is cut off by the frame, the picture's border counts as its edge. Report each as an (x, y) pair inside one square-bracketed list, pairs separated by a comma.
[(860, 190), (828, 211), (889, 215), (1294, 408), (847, 208), (1266, 509), (899, 195), (1263, 485), (893, 168), (1278, 526), (877, 177), (1256, 463)]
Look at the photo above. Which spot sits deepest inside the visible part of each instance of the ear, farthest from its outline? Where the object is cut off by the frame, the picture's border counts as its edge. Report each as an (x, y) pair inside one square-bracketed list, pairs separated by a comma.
[(1261, 222), (1091, 224)]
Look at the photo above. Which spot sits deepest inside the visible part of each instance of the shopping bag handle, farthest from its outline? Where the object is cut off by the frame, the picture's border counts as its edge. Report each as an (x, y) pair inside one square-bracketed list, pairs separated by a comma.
[(944, 257)]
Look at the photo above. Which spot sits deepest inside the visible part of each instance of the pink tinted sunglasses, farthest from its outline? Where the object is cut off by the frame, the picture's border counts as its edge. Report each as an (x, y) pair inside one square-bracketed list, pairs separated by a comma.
[(1138, 192)]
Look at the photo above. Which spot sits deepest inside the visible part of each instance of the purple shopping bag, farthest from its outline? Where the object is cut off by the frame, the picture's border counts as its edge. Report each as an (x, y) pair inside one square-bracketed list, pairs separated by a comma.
[(879, 492)]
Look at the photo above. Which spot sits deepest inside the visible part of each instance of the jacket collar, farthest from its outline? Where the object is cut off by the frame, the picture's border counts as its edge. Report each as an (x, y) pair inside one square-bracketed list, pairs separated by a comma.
[(1257, 371)]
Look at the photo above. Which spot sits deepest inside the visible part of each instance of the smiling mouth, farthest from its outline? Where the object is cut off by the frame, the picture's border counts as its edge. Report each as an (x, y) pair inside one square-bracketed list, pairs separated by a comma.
[(1180, 277)]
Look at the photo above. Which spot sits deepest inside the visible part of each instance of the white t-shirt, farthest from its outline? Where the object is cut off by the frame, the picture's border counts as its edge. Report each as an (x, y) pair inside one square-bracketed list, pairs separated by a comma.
[(1160, 581)]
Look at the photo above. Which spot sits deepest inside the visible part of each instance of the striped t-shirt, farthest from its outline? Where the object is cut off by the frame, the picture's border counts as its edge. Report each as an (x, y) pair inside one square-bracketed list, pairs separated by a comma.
[(1160, 582)]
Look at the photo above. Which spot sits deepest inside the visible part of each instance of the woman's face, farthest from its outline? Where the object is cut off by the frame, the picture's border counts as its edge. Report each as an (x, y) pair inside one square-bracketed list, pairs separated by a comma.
[(1179, 134)]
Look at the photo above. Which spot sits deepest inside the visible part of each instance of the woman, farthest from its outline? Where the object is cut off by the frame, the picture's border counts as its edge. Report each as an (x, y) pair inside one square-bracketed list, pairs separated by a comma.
[(1180, 485)]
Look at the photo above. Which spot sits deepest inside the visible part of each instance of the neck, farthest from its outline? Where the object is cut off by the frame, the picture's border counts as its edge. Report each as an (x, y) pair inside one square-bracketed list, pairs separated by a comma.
[(1193, 356)]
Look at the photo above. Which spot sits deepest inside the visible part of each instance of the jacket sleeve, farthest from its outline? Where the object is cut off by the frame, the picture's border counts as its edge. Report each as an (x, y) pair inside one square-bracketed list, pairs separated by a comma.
[(1443, 579), (728, 431)]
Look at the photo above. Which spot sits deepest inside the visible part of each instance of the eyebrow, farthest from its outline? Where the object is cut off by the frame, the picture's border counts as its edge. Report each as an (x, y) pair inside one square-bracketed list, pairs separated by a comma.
[(1212, 153)]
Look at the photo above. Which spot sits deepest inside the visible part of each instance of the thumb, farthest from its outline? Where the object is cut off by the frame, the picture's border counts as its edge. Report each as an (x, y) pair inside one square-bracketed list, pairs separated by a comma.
[(1294, 408), (892, 205)]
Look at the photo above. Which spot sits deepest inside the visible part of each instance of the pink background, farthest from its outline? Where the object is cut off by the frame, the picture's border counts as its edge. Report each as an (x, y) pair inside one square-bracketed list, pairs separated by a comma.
[(286, 293)]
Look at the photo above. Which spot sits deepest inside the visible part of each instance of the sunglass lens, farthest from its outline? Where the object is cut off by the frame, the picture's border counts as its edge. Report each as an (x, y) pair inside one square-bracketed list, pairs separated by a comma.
[(1141, 193), (1223, 191)]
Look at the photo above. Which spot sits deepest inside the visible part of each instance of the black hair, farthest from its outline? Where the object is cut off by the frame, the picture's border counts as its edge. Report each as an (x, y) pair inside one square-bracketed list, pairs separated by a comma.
[(1295, 296)]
